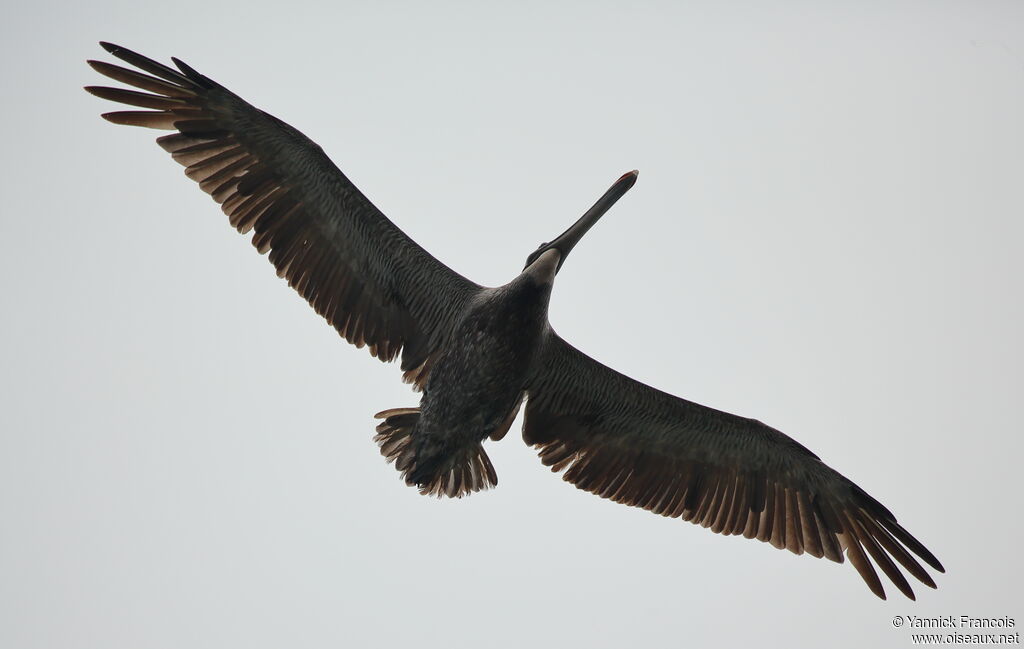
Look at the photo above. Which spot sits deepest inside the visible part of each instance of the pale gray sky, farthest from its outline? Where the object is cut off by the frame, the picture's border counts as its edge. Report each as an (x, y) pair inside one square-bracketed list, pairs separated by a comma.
[(826, 235)]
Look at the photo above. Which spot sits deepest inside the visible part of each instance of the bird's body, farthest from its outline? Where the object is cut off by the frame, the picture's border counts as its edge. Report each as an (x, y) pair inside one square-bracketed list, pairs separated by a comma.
[(477, 384), (479, 353)]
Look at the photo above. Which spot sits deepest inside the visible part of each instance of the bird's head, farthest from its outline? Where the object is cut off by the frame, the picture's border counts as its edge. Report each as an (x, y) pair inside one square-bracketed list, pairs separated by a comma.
[(568, 239)]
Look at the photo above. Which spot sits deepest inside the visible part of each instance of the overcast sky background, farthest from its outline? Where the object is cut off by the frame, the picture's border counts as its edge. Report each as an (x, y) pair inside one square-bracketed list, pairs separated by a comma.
[(826, 235)]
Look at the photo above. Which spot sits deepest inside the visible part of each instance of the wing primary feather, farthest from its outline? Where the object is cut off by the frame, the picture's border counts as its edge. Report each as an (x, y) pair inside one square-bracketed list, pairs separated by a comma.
[(897, 551), (203, 127), (882, 559), (192, 75), (140, 99), (860, 561), (147, 64), (145, 118), (915, 546), (139, 80)]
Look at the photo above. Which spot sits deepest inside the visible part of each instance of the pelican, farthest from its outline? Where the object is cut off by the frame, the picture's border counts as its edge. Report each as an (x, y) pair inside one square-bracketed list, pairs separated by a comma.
[(476, 353)]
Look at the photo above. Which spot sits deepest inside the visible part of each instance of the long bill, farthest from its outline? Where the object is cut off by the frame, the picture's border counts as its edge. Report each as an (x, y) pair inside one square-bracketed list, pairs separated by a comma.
[(568, 239)]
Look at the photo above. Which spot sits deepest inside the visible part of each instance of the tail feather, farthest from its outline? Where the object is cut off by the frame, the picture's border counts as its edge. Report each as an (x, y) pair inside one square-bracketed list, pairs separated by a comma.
[(395, 433), (454, 475)]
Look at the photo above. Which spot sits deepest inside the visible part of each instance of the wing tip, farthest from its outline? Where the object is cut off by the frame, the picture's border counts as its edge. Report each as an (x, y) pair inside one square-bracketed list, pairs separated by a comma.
[(192, 74), (184, 67)]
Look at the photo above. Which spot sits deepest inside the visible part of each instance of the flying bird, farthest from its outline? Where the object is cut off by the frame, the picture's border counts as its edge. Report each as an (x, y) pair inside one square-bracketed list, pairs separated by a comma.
[(477, 353)]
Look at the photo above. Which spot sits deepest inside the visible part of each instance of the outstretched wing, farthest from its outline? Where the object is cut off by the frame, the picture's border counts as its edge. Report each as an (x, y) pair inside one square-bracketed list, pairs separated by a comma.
[(355, 267), (623, 440)]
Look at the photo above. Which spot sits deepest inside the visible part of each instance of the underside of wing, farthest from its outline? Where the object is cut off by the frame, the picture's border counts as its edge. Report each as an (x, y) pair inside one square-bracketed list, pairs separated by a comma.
[(371, 282), (623, 440)]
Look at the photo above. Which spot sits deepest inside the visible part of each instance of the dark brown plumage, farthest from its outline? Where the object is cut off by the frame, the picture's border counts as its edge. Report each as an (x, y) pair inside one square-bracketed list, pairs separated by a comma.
[(478, 352)]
